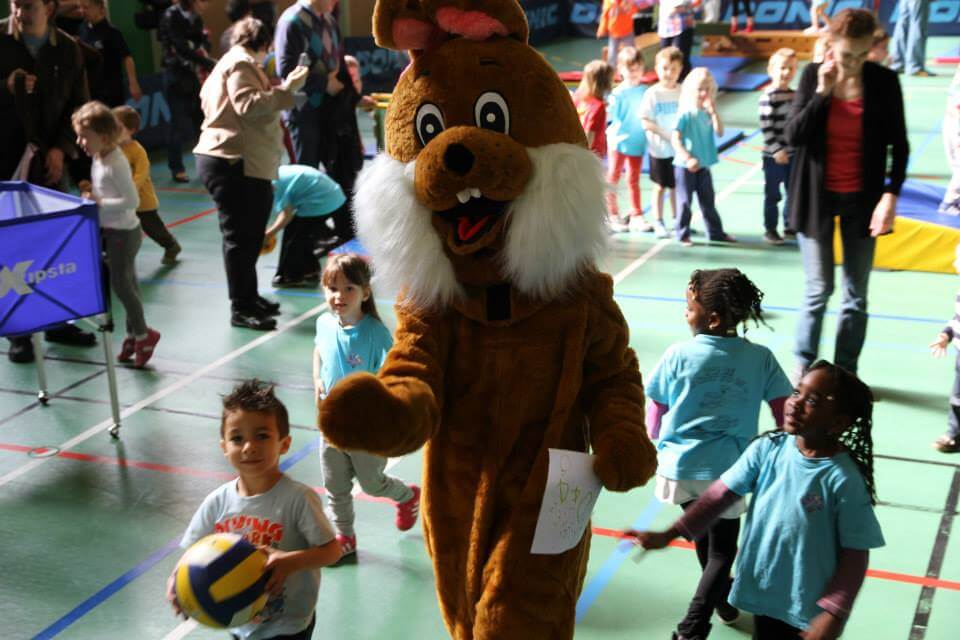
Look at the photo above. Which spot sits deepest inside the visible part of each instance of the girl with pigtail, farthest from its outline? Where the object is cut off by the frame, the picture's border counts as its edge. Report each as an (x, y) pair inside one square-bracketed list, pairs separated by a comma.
[(707, 393), (811, 523)]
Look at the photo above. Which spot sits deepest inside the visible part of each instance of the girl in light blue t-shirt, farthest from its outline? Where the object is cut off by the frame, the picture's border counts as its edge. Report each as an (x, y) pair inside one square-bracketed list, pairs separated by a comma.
[(811, 524), (350, 339), (695, 152), (707, 392)]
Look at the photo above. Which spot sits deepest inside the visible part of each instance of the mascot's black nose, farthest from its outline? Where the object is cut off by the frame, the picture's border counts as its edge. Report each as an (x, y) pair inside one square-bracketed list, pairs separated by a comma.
[(458, 159)]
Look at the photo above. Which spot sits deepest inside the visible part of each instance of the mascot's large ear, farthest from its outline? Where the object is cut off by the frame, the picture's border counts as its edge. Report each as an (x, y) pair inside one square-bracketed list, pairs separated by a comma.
[(416, 25), (404, 24), (479, 19)]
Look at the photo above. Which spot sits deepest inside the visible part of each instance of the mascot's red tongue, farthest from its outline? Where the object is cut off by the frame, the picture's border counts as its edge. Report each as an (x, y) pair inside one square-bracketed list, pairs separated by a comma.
[(466, 229)]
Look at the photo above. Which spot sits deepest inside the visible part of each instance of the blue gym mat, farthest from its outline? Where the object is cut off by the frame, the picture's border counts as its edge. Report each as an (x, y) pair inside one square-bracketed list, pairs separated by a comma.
[(729, 138), (919, 201), (719, 64), (739, 81)]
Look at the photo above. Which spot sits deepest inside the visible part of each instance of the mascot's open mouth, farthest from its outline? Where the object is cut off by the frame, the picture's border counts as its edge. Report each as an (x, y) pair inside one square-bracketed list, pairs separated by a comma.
[(474, 218)]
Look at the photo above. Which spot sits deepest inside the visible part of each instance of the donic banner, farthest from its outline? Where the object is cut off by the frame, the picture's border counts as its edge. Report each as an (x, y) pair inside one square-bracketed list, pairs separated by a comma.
[(49, 259), (944, 17)]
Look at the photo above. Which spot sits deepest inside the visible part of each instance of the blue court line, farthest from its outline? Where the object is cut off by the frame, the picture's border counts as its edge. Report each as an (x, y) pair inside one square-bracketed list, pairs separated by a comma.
[(597, 584), (146, 564), (927, 141), (873, 316)]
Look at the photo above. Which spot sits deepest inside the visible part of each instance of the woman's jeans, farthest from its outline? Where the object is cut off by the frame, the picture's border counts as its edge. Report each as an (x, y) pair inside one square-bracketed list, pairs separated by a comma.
[(819, 272)]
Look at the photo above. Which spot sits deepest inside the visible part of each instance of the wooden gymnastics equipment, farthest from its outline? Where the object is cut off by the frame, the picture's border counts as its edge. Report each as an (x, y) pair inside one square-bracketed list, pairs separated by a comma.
[(717, 41)]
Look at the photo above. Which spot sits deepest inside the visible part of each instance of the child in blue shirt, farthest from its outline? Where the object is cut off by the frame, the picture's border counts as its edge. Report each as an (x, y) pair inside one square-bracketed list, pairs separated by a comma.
[(271, 511), (349, 339), (811, 523), (708, 392), (627, 140), (695, 152), (301, 195)]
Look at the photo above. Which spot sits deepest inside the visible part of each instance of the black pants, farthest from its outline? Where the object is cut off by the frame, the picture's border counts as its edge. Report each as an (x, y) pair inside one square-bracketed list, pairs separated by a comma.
[(716, 550), (306, 634), (684, 42), (185, 117), (745, 4), (244, 205), (155, 229), (765, 628)]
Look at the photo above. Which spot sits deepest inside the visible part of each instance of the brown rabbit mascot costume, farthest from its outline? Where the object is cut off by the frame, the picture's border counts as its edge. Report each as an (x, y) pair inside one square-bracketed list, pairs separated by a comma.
[(486, 213)]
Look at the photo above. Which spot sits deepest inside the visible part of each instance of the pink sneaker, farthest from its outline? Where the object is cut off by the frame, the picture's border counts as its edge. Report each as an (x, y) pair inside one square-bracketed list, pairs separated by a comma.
[(408, 511), (126, 350), (143, 349), (348, 544)]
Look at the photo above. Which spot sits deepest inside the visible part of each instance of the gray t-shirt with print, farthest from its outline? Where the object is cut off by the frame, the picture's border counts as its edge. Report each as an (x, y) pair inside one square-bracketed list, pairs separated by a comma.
[(288, 517)]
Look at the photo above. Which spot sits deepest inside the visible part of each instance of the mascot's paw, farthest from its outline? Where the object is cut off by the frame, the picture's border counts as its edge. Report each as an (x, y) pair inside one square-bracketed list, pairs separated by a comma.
[(625, 462), (359, 414)]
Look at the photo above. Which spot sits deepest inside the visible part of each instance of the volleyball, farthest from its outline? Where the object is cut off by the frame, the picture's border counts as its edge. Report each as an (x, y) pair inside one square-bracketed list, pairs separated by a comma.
[(220, 580)]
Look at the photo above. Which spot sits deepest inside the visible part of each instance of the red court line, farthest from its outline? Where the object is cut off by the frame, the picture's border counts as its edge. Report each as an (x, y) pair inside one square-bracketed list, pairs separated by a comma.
[(191, 218), (123, 462), (872, 573), (181, 190), (738, 160), (226, 475)]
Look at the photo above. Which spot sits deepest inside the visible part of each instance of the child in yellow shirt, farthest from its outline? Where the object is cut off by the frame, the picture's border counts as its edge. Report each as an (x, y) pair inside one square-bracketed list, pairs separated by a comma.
[(149, 203)]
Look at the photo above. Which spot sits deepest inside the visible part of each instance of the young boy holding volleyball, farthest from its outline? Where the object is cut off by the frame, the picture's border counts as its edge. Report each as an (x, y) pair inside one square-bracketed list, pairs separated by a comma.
[(283, 517)]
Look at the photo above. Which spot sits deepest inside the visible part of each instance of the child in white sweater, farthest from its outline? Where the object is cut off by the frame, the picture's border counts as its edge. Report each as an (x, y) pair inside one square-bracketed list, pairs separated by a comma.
[(98, 132)]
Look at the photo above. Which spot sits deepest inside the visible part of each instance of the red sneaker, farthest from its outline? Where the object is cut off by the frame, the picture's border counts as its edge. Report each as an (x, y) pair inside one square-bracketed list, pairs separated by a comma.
[(143, 349), (348, 544), (126, 350), (408, 511), (749, 28), (734, 25)]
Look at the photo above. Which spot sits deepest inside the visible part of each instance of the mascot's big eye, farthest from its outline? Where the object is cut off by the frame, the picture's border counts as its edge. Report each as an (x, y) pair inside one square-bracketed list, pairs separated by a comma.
[(429, 122), (492, 112)]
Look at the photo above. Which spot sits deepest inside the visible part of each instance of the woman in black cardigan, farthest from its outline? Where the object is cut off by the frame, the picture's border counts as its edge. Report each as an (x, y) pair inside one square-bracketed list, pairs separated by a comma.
[(845, 122)]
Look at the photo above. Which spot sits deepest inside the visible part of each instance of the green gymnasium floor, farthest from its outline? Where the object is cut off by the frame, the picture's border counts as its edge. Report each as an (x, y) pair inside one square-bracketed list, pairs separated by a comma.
[(89, 534)]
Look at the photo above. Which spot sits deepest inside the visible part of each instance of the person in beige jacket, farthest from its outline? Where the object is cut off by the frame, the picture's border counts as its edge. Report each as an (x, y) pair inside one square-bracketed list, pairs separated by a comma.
[(237, 156)]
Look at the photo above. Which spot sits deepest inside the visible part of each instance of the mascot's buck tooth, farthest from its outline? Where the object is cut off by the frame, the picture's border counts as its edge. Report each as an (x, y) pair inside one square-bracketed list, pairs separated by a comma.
[(486, 213)]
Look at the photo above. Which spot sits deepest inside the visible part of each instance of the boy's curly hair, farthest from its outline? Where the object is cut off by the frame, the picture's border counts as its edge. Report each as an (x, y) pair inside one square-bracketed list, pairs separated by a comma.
[(255, 395)]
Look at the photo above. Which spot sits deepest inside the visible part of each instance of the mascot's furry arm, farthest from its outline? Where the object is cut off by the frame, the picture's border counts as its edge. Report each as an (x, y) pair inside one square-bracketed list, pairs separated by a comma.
[(404, 402), (613, 396)]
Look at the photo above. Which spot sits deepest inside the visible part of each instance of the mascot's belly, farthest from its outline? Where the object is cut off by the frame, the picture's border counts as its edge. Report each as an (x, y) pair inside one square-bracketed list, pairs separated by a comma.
[(511, 393)]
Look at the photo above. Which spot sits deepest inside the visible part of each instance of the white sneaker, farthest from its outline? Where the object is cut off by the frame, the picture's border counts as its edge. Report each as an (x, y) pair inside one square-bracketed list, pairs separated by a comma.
[(616, 224), (660, 230), (639, 224)]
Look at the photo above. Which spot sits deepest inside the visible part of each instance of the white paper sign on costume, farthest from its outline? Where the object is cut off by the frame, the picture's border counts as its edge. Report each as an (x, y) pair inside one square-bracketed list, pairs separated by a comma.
[(572, 490)]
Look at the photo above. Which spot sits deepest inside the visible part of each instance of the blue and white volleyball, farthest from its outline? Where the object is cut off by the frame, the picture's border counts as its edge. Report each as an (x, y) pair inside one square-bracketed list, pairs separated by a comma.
[(220, 581)]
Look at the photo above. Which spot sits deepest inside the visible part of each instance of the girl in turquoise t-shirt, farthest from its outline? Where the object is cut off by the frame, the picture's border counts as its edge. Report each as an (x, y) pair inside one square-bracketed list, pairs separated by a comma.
[(708, 392), (811, 523), (695, 151), (349, 339)]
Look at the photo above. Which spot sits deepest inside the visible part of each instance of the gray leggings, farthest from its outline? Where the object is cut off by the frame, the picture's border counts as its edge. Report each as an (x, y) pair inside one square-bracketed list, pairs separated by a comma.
[(121, 246), (339, 470)]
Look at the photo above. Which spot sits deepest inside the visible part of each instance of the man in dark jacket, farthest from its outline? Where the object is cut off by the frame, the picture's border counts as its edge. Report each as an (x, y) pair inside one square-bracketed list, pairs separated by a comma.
[(42, 82), (185, 54)]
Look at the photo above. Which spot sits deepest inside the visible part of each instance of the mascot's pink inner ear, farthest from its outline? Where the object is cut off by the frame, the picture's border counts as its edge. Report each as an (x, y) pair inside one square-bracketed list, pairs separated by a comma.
[(472, 25), (409, 33)]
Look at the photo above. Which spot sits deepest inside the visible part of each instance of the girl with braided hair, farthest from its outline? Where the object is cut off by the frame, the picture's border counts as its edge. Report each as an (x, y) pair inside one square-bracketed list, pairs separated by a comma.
[(811, 523), (707, 393)]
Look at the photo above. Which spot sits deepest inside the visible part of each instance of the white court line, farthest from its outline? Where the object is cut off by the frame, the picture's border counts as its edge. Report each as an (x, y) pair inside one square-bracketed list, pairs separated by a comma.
[(182, 630), (163, 393), (185, 628), (657, 248)]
